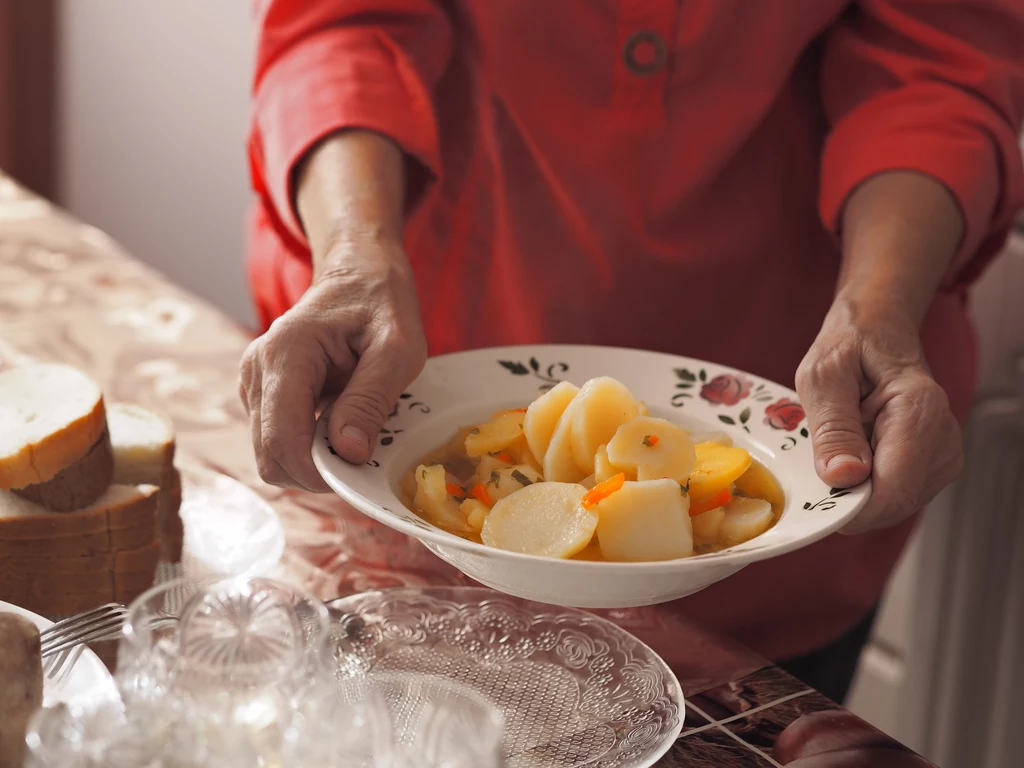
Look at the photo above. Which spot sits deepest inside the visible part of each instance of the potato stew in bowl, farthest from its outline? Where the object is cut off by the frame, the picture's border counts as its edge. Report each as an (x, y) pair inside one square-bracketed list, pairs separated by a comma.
[(587, 473)]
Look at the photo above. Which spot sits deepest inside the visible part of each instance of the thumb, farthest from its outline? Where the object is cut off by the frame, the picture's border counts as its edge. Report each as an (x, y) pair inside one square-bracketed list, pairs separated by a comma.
[(360, 411), (842, 454)]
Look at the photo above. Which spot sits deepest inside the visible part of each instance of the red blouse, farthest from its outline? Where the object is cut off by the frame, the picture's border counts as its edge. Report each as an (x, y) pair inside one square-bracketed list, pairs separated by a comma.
[(656, 174)]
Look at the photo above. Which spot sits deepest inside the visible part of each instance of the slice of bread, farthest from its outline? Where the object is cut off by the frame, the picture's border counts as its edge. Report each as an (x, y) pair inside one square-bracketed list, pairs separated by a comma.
[(143, 444), (78, 485), (122, 513), (21, 670), (50, 416)]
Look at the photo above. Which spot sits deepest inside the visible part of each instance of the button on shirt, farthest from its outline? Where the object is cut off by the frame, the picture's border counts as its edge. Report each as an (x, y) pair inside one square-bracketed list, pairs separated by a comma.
[(659, 174)]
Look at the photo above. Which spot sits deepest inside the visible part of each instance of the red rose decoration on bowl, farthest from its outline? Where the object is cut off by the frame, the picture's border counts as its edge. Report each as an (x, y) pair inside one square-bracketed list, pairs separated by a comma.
[(784, 414), (726, 389)]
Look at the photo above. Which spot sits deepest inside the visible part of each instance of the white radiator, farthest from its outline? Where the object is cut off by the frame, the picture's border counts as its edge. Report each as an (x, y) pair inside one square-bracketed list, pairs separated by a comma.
[(965, 656)]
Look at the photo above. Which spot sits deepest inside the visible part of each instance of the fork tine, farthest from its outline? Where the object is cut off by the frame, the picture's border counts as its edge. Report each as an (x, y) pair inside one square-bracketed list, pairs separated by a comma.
[(92, 634), (72, 633), (57, 626), (84, 620), (64, 662)]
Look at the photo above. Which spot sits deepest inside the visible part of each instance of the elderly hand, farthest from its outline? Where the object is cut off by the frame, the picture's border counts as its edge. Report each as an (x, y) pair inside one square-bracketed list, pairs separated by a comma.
[(874, 409), (356, 331)]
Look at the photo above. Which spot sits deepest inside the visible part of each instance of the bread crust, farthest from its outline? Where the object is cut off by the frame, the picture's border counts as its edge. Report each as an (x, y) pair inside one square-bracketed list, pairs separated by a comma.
[(78, 485), (172, 531), (41, 461)]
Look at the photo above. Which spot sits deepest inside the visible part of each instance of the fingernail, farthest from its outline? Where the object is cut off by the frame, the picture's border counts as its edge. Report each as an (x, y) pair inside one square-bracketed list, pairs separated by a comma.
[(356, 435), (846, 458)]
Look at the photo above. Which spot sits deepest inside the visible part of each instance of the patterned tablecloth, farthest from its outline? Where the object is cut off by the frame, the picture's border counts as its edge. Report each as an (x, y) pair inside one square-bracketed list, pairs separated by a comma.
[(69, 293)]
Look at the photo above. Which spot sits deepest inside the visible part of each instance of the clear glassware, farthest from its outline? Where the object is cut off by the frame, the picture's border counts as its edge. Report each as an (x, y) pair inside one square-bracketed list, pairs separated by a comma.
[(423, 721), (235, 634)]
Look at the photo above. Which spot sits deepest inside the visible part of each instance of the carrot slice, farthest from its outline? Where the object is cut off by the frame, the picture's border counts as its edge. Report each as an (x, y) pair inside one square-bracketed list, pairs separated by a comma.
[(479, 492), (651, 440), (504, 457), (602, 491), (456, 491), (720, 499)]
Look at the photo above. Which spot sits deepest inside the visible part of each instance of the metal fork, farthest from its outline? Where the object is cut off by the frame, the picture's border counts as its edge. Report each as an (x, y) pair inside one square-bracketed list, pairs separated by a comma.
[(62, 643)]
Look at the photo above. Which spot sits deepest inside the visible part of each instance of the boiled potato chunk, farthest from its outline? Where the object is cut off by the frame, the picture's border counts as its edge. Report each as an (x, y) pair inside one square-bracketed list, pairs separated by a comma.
[(546, 519), (475, 512), (520, 453), (717, 468), (601, 407), (435, 503), (645, 521), (543, 414), (495, 435), (744, 519), (757, 482), (605, 470), (559, 464), (506, 481), (652, 449), (489, 464), (642, 409), (721, 438), (707, 526)]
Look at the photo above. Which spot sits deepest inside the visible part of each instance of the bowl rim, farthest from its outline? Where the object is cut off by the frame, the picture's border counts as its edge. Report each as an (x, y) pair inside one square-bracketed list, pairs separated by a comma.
[(439, 537)]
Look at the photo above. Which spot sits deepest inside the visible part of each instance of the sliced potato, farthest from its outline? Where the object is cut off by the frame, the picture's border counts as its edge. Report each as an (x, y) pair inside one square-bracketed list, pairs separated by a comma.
[(601, 407), (588, 482), (645, 521), (717, 467), (496, 435), (642, 409), (543, 414), (721, 438), (652, 449), (489, 464), (506, 481), (559, 464), (546, 519), (707, 526), (744, 519), (520, 453), (475, 512), (434, 502), (605, 470), (758, 483)]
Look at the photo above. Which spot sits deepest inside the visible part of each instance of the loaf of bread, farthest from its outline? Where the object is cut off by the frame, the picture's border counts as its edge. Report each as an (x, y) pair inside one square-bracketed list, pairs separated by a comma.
[(89, 495), (57, 563), (21, 685)]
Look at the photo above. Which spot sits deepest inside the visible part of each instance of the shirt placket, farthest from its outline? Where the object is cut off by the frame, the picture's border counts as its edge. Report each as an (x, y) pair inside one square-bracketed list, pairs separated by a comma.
[(643, 38)]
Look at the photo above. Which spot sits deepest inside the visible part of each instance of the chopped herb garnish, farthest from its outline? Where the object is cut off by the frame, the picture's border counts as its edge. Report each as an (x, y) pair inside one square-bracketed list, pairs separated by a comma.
[(423, 473), (650, 440), (684, 489), (474, 431), (495, 478), (520, 478)]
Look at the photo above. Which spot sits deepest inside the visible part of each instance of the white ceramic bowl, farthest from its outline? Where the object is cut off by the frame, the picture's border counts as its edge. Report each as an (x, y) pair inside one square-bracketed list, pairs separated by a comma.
[(465, 388)]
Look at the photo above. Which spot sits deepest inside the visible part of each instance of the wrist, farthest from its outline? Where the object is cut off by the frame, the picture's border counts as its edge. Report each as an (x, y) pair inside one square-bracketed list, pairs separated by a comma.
[(350, 189)]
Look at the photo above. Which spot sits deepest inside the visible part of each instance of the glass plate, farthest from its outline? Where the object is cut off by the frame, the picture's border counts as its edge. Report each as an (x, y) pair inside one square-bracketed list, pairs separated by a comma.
[(574, 689)]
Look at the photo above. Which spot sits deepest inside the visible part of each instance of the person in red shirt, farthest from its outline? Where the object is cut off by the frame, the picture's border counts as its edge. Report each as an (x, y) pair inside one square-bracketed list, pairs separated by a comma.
[(803, 190)]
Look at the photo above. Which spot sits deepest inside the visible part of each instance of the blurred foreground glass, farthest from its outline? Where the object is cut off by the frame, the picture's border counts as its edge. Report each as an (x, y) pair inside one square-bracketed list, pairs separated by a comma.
[(239, 672), (422, 721)]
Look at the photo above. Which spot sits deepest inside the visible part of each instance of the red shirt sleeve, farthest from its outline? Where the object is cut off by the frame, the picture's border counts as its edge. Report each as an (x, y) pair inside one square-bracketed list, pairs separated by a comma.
[(935, 87), (332, 64)]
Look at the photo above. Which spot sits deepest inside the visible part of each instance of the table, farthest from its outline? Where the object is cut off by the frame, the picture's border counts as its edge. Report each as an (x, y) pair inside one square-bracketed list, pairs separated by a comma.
[(69, 293)]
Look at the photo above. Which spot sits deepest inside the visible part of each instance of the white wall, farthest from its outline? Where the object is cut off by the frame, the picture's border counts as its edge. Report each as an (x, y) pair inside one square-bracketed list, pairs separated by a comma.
[(153, 109)]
